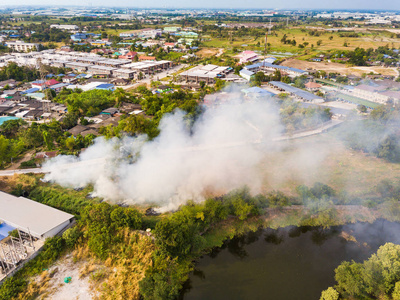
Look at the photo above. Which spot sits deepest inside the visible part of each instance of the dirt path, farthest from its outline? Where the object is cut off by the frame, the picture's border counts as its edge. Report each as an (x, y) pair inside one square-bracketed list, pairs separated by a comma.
[(27, 156), (220, 52)]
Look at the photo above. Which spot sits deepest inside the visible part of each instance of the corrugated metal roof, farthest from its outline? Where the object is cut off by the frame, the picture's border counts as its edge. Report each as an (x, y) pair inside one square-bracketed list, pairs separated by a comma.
[(296, 91), (26, 214)]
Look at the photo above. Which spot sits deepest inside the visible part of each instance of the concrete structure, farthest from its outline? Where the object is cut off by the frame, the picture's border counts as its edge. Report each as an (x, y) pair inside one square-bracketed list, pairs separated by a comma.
[(40, 220), (124, 73), (21, 46), (370, 93), (77, 66), (88, 63), (101, 70), (149, 67)]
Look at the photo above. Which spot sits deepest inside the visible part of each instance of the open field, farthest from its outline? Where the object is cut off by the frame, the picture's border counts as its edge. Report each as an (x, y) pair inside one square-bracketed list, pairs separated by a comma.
[(325, 159), (338, 67), (367, 39)]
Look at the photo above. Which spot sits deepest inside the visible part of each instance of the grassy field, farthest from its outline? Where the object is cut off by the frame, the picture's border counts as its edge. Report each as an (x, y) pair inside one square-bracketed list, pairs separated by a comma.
[(325, 159), (367, 39)]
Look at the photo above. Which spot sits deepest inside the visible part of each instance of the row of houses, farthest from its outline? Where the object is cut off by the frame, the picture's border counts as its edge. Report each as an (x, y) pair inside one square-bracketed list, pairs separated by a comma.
[(89, 63)]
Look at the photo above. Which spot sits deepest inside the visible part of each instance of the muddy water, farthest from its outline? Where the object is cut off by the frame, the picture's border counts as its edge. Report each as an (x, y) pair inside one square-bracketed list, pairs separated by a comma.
[(289, 263)]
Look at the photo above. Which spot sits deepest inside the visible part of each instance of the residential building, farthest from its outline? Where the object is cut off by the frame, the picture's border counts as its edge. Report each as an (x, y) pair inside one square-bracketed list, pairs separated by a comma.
[(312, 86), (246, 74), (247, 56), (21, 46)]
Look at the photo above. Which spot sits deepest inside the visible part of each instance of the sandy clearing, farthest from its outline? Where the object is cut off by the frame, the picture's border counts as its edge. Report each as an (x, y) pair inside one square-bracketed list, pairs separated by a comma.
[(208, 52), (78, 288)]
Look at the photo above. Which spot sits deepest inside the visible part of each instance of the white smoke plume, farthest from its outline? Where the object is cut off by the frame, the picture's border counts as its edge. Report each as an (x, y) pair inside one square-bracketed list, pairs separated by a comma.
[(221, 152)]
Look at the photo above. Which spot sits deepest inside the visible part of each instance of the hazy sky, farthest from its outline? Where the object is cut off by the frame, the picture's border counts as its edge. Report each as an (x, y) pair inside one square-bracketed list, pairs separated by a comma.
[(282, 4)]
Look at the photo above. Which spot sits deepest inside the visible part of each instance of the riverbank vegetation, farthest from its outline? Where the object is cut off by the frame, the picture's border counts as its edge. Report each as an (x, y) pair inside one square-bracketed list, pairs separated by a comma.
[(111, 236), (378, 134), (376, 278)]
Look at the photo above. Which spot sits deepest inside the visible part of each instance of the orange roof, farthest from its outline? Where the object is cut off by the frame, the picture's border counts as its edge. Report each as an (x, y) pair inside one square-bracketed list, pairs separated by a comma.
[(144, 57), (312, 85)]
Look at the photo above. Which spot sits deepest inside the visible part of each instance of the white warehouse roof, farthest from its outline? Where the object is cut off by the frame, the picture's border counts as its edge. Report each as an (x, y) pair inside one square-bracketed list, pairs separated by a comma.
[(41, 220)]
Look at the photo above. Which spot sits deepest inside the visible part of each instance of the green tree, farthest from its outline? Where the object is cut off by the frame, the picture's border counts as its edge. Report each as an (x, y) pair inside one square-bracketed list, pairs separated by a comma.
[(329, 294)]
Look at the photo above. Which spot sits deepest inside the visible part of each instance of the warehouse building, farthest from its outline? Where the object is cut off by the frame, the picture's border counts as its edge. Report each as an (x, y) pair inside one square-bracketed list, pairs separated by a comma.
[(207, 73), (296, 92), (39, 220)]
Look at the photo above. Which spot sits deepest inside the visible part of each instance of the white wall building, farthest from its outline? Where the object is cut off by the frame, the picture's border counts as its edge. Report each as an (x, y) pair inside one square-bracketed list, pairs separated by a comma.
[(21, 46), (65, 27)]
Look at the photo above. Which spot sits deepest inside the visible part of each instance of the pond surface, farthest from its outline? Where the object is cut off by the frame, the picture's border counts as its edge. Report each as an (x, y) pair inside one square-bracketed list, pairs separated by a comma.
[(289, 263), (3, 119)]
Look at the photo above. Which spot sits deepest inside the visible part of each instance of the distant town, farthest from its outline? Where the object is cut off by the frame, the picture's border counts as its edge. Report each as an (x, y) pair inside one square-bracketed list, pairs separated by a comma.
[(110, 123)]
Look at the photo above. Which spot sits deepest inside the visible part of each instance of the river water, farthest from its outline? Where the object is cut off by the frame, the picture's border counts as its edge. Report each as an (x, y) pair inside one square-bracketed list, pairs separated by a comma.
[(289, 263)]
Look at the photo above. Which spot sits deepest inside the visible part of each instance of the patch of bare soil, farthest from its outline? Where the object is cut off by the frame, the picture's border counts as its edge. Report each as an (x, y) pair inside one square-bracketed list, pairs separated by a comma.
[(78, 288), (207, 52)]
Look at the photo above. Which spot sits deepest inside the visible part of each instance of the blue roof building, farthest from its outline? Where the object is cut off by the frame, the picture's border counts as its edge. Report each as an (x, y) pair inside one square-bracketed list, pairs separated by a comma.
[(79, 36), (256, 91), (31, 90), (105, 86), (296, 92)]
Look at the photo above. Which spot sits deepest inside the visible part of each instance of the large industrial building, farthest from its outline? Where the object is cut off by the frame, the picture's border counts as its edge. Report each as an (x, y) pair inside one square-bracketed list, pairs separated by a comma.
[(207, 73), (31, 223), (39, 220)]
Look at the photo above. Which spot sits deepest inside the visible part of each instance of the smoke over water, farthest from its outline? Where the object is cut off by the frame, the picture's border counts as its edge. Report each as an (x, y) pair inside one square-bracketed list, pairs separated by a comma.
[(221, 152)]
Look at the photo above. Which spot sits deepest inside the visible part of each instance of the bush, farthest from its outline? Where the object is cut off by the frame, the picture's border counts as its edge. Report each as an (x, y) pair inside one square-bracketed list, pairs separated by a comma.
[(28, 164)]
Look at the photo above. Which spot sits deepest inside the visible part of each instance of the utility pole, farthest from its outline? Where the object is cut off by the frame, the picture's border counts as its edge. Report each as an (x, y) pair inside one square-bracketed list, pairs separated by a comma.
[(42, 71), (265, 50), (270, 27)]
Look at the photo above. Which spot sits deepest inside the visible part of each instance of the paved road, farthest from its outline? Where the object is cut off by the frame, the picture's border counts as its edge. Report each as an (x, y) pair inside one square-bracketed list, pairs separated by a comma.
[(21, 171), (324, 128)]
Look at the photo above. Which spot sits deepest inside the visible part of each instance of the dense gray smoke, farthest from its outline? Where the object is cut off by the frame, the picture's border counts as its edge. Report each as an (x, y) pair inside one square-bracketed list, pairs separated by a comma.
[(220, 152)]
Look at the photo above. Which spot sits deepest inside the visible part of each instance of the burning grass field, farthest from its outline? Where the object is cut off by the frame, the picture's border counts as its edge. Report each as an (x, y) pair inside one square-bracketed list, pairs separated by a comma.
[(343, 169)]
